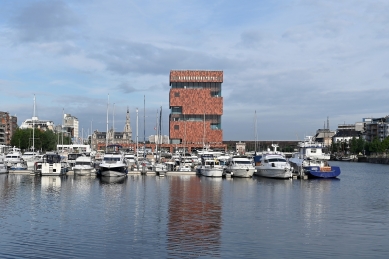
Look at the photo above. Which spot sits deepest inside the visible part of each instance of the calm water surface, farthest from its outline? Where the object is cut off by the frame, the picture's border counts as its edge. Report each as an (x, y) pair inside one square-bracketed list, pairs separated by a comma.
[(191, 216)]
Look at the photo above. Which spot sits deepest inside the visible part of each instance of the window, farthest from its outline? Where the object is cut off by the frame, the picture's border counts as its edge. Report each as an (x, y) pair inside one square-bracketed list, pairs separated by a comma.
[(176, 94), (176, 127)]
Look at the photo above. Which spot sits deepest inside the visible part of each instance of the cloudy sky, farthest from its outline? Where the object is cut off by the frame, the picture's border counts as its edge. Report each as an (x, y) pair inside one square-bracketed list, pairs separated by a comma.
[(293, 63)]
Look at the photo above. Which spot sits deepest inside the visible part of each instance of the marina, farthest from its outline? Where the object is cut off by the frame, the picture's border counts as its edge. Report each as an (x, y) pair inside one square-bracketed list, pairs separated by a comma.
[(191, 216)]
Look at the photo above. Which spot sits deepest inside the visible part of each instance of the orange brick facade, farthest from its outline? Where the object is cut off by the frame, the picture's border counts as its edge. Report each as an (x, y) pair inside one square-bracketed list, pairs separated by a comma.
[(197, 101)]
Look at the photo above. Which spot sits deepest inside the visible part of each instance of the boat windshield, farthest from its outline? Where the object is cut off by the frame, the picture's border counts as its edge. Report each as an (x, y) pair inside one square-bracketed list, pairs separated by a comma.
[(243, 162), (111, 159), (277, 160)]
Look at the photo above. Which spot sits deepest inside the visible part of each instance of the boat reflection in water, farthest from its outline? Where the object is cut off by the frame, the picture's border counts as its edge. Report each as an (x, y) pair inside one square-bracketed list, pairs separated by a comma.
[(195, 217), (109, 179), (51, 181)]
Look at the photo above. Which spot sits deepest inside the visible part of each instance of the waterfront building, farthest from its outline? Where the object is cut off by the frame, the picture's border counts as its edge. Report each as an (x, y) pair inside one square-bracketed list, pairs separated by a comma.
[(70, 125), (196, 109), (376, 128), (8, 125), (124, 139)]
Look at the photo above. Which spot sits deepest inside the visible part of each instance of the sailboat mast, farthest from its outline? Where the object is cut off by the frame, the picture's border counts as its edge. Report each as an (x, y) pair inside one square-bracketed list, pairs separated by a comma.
[(137, 132), (160, 133), (144, 126), (113, 123), (33, 128), (106, 135), (255, 132)]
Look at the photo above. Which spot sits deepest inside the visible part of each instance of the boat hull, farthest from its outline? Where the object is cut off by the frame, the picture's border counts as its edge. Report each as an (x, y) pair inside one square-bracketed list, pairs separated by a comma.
[(318, 172), (279, 173), (113, 172), (83, 171), (52, 170), (212, 172), (242, 172)]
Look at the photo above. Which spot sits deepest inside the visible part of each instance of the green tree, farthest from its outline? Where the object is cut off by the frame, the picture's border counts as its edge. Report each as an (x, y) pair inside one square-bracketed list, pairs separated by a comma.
[(43, 140)]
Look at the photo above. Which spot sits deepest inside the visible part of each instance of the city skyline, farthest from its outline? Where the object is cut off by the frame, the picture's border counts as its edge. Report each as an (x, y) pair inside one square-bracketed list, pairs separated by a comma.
[(288, 65)]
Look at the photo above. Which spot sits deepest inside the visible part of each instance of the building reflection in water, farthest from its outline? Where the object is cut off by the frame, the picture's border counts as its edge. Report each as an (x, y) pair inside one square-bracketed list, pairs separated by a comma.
[(195, 217)]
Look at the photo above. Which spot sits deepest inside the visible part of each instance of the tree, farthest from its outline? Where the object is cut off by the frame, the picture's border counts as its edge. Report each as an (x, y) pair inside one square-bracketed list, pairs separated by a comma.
[(43, 140)]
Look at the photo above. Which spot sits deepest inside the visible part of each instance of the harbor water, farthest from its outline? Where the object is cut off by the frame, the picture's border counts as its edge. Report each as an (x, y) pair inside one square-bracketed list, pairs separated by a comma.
[(191, 216)]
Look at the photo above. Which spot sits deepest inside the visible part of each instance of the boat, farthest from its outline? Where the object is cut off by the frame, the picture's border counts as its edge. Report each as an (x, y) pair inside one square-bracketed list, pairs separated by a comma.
[(131, 161), (19, 166), (52, 165), (13, 157), (84, 166), (311, 161), (3, 166), (113, 164), (210, 166), (71, 159), (240, 166), (272, 165)]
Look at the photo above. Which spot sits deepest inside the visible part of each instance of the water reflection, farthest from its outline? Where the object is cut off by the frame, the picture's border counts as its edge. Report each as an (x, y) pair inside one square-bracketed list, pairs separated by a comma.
[(109, 180), (195, 217), (50, 182)]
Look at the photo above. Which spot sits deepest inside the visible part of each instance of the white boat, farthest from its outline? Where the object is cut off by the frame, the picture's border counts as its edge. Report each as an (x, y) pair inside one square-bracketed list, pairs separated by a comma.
[(13, 157), (311, 161), (3, 166), (31, 158), (71, 159), (184, 168), (52, 165), (20, 166), (84, 166), (130, 159), (240, 166), (210, 166), (272, 165), (113, 164)]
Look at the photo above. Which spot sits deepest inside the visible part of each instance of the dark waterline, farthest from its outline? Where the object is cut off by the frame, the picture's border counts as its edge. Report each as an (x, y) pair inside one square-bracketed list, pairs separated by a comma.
[(191, 216)]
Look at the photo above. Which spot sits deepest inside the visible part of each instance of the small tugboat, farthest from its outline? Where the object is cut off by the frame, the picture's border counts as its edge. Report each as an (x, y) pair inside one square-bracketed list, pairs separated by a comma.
[(312, 162)]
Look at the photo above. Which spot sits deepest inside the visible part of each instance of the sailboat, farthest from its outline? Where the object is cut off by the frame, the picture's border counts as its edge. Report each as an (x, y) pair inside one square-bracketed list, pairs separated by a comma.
[(32, 157), (159, 167)]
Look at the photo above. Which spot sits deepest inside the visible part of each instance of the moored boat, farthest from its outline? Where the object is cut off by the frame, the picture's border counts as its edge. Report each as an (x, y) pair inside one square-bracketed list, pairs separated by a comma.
[(240, 166), (272, 166), (311, 161), (210, 166), (84, 166), (113, 164), (52, 165)]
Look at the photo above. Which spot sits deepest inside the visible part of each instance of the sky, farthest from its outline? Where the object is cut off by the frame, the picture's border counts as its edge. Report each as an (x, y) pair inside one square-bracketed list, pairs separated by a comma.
[(289, 65)]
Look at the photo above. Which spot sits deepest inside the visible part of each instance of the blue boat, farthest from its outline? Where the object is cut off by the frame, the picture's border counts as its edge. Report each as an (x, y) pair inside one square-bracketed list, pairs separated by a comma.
[(312, 161), (322, 172)]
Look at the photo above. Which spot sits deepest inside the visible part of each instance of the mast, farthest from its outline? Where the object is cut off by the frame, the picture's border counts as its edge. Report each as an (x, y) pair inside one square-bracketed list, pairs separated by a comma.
[(137, 133), (144, 126), (113, 124), (33, 128), (255, 132), (106, 135), (160, 134), (63, 118)]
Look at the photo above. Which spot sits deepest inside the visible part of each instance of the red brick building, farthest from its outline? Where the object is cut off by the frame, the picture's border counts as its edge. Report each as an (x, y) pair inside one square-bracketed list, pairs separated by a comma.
[(196, 108)]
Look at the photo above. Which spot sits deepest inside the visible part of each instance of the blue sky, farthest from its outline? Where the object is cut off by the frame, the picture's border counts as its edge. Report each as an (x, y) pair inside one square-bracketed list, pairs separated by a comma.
[(294, 62)]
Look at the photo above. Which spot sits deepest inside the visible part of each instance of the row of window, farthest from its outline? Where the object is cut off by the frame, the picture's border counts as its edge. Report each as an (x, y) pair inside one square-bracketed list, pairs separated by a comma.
[(196, 85)]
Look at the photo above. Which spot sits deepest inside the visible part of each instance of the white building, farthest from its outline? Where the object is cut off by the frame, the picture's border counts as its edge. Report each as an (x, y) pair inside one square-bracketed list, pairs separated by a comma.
[(38, 124), (70, 124)]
